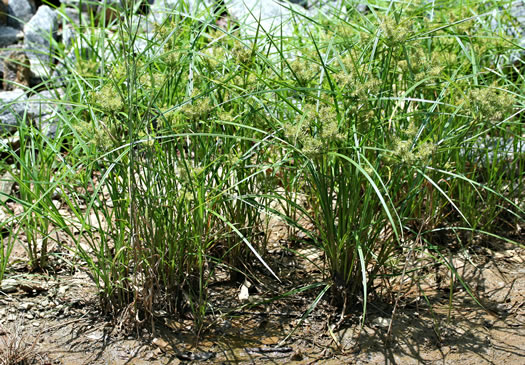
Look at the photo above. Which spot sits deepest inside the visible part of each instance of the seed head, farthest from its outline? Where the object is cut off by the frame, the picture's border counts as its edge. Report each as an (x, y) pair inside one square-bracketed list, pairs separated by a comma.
[(109, 99)]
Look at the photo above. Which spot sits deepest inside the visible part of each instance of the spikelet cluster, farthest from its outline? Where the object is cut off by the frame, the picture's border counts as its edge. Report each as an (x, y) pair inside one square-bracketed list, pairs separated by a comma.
[(315, 131), (395, 33), (303, 70), (197, 110), (407, 148), (490, 104), (108, 99)]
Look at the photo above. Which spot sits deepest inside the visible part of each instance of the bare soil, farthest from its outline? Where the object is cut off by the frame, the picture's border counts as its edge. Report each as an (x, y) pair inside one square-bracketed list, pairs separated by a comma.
[(432, 324)]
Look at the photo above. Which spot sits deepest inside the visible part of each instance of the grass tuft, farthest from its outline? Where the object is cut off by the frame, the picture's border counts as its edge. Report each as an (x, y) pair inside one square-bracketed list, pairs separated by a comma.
[(371, 133)]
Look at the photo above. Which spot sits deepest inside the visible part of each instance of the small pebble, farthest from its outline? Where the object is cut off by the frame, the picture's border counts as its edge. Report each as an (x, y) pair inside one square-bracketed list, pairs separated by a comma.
[(9, 286), (26, 306), (44, 304), (63, 289), (381, 322)]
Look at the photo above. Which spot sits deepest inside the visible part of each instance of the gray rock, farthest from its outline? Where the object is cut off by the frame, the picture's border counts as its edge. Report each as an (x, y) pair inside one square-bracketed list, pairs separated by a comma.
[(45, 304), (69, 19), (87, 6), (9, 35), (19, 12), (330, 8), (48, 124), (494, 148), (4, 53), (9, 286), (41, 109), (39, 32), (160, 10), (68, 35), (7, 181), (517, 10), (115, 4), (12, 108), (303, 3), (71, 16), (362, 8), (272, 16), (113, 10), (44, 103)]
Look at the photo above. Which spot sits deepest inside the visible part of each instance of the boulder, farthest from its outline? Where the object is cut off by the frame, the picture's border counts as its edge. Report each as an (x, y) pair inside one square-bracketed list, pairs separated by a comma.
[(48, 125), (485, 150), (40, 32), (12, 109), (272, 16), (69, 20), (9, 35), (69, 35), (88, 6), (303, 3), (41, 109), (160, 10), (19, 12), (44, 103), (362, 8), (16, 71), (517, 30), (517, 10)]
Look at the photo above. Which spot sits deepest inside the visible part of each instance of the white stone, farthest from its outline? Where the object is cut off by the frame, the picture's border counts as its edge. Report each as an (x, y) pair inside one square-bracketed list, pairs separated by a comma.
[(9, 285), (381, 322), (273, 17), (38, 42)]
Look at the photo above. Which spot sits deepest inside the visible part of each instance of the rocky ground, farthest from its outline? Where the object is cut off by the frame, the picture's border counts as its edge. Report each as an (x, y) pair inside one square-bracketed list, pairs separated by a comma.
[(54, 318)]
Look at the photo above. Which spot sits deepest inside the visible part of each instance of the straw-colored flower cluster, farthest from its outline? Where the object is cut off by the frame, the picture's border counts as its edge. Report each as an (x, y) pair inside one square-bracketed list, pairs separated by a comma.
[(394, 33), (491, 104), (314, 130), (409, 149), (109, 99)]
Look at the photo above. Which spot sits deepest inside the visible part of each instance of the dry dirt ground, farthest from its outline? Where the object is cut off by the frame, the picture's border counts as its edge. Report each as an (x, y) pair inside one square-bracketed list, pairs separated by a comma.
[(54, 318)]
